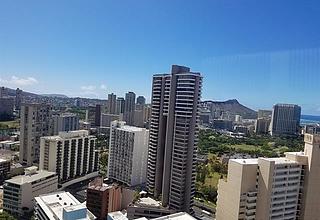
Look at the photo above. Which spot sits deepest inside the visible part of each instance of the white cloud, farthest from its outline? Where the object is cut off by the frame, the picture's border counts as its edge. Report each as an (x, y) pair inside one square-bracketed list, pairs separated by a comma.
[(15, 81), (88, 88), (103, 87)]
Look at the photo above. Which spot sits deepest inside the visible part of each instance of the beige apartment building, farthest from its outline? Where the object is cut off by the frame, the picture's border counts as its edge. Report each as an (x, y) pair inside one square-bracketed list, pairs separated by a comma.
[(284, 188)]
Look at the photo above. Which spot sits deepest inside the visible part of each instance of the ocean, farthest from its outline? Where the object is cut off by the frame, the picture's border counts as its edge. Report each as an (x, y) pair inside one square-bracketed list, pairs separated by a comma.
[(309, 119)]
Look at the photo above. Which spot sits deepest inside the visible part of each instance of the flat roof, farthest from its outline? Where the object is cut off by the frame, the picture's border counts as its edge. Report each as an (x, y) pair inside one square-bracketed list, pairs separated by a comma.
[(281, 160), (117, 215), (102, 187), (130, 128), (148, 202), (54, 203), (177, 216), (4, 160), (22, 179), (296, 153), (245, 161)]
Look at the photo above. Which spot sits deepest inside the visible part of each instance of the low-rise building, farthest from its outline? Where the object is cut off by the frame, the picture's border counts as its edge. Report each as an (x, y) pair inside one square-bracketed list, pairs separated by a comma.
[(103, 198), (241, 129), (60, 206), (121, 216), (176, 216), (9, 145), (221, 124), (148, 208), (19, 191)]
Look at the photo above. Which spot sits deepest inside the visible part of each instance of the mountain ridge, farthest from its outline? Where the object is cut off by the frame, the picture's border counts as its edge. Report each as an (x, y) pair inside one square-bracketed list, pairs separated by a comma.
[(232, 106)]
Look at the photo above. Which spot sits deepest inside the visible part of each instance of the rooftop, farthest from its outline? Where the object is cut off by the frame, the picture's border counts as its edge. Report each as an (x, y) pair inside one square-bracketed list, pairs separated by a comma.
[(67, 135), (102, 187), (131, 128), (280, 160), (54, 203), (245, 161), (4, 160), (22, 179), (177, 216), (118, 215), (148, 202)]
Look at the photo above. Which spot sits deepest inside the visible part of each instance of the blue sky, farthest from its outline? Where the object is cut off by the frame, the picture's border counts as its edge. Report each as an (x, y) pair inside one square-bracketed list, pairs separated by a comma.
[(258, 51)]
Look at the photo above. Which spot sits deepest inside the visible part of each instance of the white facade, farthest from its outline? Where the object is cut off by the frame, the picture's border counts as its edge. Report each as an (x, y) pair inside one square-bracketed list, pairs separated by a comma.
[(19, 191), (272, 188), (65, 122), (71, 155), (128, 153), (60, 206)]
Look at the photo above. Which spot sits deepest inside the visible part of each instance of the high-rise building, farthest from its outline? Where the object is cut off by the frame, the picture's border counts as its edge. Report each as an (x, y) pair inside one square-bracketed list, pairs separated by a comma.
[(97, 116), (106, 119), (103, 198), (141, 100), (128, 154), (264, 113), (174, 137), (36, 122), (4, 169), (72, 155), (18, 99), (60, 206), (3, 92), (19, 191), (262, 126), (139, 118), (272, 188), (120, 105), (91, 115), (285, 120), (6, 108), (129, 108), (112, 104), (65, 122)]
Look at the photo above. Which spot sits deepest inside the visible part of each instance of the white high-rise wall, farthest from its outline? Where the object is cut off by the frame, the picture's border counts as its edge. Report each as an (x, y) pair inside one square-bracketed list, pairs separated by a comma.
[(273, 188), (128, 153)]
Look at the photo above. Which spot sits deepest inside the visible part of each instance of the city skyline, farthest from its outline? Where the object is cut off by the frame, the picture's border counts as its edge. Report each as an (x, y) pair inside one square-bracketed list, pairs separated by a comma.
[(99, 46)]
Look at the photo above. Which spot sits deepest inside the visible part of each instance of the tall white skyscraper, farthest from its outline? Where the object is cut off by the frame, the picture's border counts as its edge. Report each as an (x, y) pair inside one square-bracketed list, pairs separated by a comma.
[(128, 154), (174, 137)]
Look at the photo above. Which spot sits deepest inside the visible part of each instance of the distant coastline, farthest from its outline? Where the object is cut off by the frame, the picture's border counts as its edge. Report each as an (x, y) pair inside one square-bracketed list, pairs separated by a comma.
[(309, 119)]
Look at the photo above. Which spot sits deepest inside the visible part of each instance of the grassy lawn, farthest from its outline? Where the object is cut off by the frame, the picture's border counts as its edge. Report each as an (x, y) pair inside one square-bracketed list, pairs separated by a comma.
[(9, 124), (244, 147), (213, 179)]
